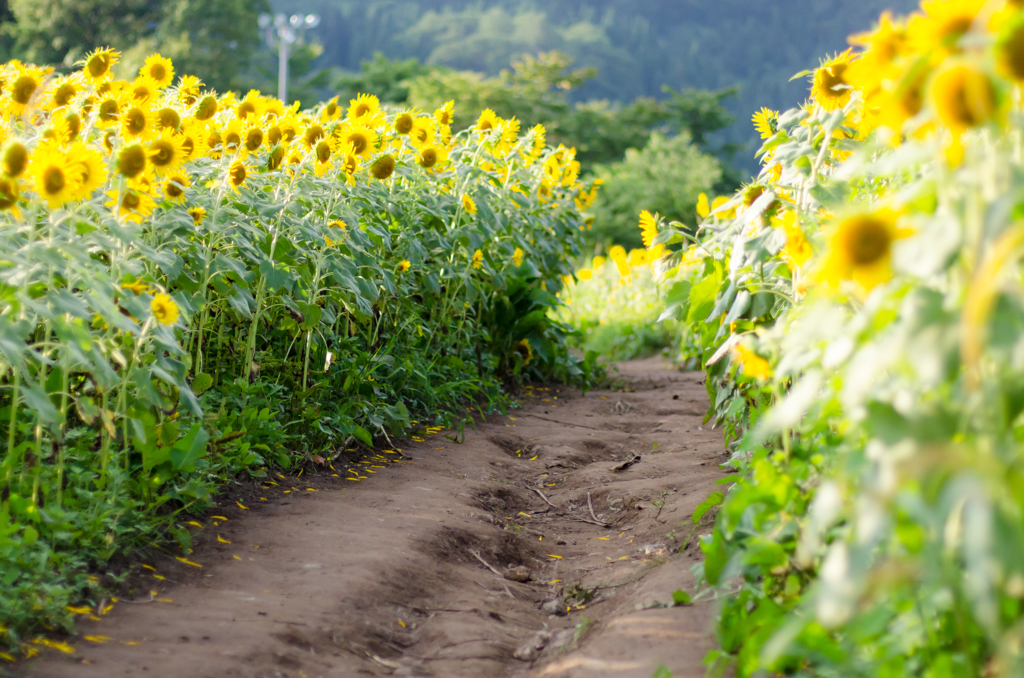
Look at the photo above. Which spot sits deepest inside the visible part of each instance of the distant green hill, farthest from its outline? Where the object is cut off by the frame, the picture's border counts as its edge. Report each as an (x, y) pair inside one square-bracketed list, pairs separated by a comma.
[(636, 45)]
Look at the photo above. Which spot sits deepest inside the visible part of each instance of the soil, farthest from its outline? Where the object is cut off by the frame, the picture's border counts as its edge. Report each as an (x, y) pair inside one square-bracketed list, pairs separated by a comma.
[(534, 548)]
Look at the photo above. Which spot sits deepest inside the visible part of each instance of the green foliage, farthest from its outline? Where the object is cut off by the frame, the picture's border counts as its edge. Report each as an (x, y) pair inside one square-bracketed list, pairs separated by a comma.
[(388, 79), (665, 177)]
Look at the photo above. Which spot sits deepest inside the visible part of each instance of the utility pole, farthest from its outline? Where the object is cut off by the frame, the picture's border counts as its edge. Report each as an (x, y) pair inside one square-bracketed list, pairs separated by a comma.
[(283, 32)]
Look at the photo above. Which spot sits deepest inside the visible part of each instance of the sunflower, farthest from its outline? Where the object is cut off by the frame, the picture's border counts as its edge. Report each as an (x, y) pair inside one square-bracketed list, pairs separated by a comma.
[(98, 64), (214, 142), (941, 25), (478, 260), (249, 106), (350, 164), (830, 87), (404, 123), (964, 96), (159, 70), (313, 134), (237, 174), (468, 204), (433, 157), (9, 194), (766, 122), (253, 139), (135, 205), (524, 349), (108, 112), (193, 140), (143, 90), (174, 187), (55, 179), (383, 167), (14, 159), (584, 274), (324, 151), (648, 227), (89, 164), (188, 89), (753, 365), (167, 118), (198, 213), (404, 266), (422, 132), (331, 110), (275, 158), (233, 135), (64, 91), (882, 49), (860, 249), (797, 249), (509, 136), (362, 140), (207, 107), (1010, 48), (902, 97), (166, 153), (164, 309), (137, 122), (131, 160), (363, 106), (27, 81), (487, 121), (703, 208), (445, 115), (517, 256)]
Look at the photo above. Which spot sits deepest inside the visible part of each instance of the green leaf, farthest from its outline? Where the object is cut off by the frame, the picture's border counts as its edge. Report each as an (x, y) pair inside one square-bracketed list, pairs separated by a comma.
[(714, 499), (189, 449), (681, 597), (363, 435)]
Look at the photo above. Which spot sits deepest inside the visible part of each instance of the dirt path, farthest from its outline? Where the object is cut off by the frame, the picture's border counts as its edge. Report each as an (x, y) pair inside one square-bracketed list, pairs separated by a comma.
[(392, 575)]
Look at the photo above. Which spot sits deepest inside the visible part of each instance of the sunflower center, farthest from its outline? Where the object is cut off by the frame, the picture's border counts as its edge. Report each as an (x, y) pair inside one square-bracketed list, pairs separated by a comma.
[(53, 180), (323, 151), (274, 135), (136, 121), (359, 142), (428, 158), (168, 118), (868, 241), (131, 161), (361, 109), (131, 201), (161, 153), (15, 159), (276, 157), (954, 28), (485, 125), (8, 194), (421, 134), (23, 89), (98, 65), (174, 188), (215, 140), (63, 94), (314, 134), (331, 109), (188, 145), (403, 125), (383, 167), (237, 174), (232, 139), (108, 110), (74, 125), (245, 109), (254, 139), (157, 72), (832, 80), (141, 93), (207, 108), (1011, 52)]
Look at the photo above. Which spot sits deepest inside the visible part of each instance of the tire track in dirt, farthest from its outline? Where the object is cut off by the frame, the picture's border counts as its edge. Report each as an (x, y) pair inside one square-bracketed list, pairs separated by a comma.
[(412, 572)]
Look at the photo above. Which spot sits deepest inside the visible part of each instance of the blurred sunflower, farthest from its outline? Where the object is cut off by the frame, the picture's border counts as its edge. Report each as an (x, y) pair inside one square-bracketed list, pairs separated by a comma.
[(487, 121), (648, 227), (27, 81), (55, 179), (964, 96), (324, 152), (143, 90), (167, 118), (445, 114), (468, 204), (941, 25), (131, 160), (98, 64), (753, 365), (64, 90), (433, 157), (135, 204), (524, 349), (766, 122), (108, 111), (14, 159), (9, 195), (517, 256), (137, 123), (383, 167), (830, 87), (188, 89), (363, 106), (249, 107), (253, 139), (198, 213), (423, 132), (404, 123), (207, 107), (403, 266), (164, 309), (88, 162), (158, 70), (362, 140), (478, 260), (167, 153), (237, 174), (174, 187), (860, 249)]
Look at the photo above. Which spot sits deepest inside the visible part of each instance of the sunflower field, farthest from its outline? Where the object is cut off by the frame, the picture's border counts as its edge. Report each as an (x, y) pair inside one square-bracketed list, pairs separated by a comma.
[(195, 286), (859, 312)]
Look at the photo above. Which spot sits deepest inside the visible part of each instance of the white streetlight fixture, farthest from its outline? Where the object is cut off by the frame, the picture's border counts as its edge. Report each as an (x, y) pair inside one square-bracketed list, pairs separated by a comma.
[(283, 32)]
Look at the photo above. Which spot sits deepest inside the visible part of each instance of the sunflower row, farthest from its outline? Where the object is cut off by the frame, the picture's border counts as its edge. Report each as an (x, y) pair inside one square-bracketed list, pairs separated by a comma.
[(185, 271), (858, 313)]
